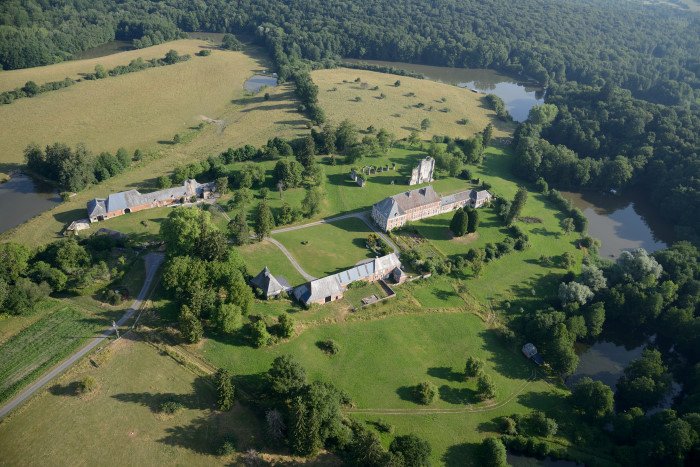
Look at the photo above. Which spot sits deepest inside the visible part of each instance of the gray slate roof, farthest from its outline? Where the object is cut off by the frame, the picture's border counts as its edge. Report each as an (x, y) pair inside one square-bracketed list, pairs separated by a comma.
[(131, 198), (399, 204), (335, 284), (269, 284)]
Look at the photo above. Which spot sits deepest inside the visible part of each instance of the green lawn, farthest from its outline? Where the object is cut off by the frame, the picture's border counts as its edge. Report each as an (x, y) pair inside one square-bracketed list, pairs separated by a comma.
[(259, 255), (328, 248), (381, 360), (515, 275)]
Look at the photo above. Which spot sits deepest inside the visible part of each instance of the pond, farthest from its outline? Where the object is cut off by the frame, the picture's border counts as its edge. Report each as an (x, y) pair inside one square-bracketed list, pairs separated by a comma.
[(623, 221), (22, 198), (523, 461), (256, 82), (518, 96), (103, 50), (604, 361)]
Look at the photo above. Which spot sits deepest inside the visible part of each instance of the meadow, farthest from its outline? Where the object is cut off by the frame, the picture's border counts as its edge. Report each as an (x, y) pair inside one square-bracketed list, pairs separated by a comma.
[(258, 255), (120, 419), (404, 107), (328, 248)]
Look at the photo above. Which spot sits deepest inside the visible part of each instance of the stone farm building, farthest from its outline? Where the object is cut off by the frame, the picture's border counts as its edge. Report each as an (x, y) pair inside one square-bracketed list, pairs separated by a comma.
[(125, 202), (331, 288), (269, 285), (393, 212)]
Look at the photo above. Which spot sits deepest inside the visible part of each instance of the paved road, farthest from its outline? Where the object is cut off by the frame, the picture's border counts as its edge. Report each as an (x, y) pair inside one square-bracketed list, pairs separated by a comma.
[(152, 261)]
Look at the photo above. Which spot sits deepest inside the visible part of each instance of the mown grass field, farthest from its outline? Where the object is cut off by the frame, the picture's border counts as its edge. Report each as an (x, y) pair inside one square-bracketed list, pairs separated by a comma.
[(249, 119), (119, 421), (398, 112), (328, 248), (259, 255), (381, 360)]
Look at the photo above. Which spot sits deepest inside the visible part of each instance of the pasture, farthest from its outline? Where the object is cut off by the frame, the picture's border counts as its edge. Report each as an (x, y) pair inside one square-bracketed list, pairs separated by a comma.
[(380, 361), (403, 108), (120, 419), (259, 255)]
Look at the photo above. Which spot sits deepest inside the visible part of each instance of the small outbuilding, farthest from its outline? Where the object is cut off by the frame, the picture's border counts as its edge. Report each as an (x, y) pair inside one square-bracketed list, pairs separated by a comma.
[(530, 351), (269, 285)]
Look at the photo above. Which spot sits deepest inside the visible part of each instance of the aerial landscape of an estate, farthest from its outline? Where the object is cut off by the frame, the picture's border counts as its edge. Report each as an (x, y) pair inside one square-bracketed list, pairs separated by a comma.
[(340, 232)]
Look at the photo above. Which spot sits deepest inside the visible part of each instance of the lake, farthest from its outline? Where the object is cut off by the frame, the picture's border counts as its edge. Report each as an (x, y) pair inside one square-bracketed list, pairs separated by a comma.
[(518, 96), (22, 198), (256, 82), (623, 222)]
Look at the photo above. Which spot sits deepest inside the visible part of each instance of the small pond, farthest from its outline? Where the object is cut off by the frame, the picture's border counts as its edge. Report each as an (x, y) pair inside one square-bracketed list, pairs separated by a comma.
[(22, 198), (256, 82), (623, 221), (522, 461), (518, 96), (604, 361), (103, 50)]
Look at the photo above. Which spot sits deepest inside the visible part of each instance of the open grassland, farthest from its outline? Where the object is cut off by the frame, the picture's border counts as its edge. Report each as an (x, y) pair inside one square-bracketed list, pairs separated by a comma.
[(515, 275), (120, 419), (245, 119), (380, 361), (12, 324), (76, 69), (259, 255), (400, 111), (328, 248), (132, 110)]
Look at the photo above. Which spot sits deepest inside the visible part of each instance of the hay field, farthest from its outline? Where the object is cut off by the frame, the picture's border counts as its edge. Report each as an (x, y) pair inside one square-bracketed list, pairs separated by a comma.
[(210, 86), (11, 79), (398, 112), (130, 110)]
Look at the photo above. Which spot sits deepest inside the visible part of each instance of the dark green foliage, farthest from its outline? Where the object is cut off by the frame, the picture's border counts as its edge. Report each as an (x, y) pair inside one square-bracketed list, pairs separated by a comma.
[(493, 453), (224, 390), (496, 103), (473, 367), (314, 417), (286, 376), (459, 222), (238, 228), (517, 206), (593, 399), (485, 387), (229, 42), (227, 447), (425, 393), (311, 204), (473, 220), (644, 383), (414, 451), (263, 221), (285, 326), (259, 335), (170, 407), (190, 326), (328, 346), (71, 169)]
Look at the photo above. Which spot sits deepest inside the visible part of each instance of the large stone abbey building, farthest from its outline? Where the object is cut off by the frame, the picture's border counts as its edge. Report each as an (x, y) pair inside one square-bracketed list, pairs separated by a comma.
[(393, 212)]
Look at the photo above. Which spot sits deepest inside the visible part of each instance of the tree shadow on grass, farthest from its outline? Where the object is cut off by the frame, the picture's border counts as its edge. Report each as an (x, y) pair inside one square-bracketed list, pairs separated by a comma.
[(446, 373), (491, 426), (69, 216), (68, 390), (201, 397), (508, 363), (407, 393), (457, 395), (201, 435), (461, 455)]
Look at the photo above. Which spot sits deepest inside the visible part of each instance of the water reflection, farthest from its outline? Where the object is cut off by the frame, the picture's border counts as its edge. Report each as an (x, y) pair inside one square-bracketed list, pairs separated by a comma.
[(256, 82), (604, 361), (23, 198), (622, 222)]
